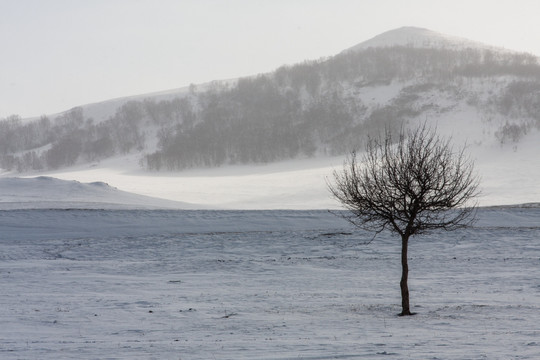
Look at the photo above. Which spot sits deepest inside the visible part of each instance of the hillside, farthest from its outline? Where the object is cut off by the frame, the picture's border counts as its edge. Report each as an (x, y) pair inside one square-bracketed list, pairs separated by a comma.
[(317, 110), (48, 193), (324, 107)]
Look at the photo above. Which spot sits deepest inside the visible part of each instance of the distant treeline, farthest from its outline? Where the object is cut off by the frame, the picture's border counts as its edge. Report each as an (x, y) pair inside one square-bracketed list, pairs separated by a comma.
[(311, 108), (69, 138)]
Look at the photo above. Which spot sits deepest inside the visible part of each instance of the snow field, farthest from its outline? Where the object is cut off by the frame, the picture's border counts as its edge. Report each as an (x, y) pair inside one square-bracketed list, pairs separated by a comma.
[(141, 284)]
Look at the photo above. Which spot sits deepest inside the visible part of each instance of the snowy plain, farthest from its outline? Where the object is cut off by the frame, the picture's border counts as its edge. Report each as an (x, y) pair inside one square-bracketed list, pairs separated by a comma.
[(115, 263), (207, 284), (111, 262)]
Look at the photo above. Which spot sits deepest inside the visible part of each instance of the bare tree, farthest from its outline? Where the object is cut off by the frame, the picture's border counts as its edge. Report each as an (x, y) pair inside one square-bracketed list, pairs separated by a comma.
[(409, 185)]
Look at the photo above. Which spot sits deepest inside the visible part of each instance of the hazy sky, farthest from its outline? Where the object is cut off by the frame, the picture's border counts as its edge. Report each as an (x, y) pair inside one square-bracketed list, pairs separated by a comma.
[(57, 54)]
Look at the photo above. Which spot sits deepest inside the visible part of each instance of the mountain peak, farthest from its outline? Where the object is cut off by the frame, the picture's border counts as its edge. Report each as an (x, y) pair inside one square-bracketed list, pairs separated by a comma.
[(418, 38)]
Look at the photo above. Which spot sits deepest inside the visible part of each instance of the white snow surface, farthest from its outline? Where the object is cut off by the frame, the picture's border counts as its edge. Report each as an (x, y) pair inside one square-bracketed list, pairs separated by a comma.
[(49, 193), (509, 175), (168, 284), (294, 184)]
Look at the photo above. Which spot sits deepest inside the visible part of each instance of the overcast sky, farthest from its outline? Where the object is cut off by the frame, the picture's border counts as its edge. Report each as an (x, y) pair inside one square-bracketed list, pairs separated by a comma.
[(57, 54)]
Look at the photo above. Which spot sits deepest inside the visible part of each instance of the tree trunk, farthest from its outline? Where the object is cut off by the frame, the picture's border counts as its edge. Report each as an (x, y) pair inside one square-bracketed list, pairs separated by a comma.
[(404, 277)]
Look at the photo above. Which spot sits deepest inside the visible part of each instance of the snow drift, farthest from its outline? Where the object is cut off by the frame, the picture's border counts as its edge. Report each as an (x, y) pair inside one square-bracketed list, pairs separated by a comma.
[(49, 193)]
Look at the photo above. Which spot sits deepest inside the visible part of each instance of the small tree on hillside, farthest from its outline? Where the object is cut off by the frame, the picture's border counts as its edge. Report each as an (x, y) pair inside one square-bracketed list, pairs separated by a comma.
[(409, 185)]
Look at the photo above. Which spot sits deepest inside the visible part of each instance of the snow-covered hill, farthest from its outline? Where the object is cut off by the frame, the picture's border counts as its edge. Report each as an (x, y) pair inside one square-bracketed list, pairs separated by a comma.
[(507, 177), (50, 193), (272, 141), (404, 36)]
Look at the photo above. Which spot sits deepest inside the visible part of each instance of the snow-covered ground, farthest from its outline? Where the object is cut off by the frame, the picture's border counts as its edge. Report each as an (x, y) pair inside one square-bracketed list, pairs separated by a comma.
[(294, 184), (508, 176), (510, 173), (50, 193), (91, 270), (163, 284)]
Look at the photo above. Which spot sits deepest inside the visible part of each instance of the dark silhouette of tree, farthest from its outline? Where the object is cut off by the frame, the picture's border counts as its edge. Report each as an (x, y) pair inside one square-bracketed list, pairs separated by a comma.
[(410, 186)]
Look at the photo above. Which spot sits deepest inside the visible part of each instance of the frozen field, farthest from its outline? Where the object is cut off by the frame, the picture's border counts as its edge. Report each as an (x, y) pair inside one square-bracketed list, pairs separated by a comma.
[(165, 284)]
